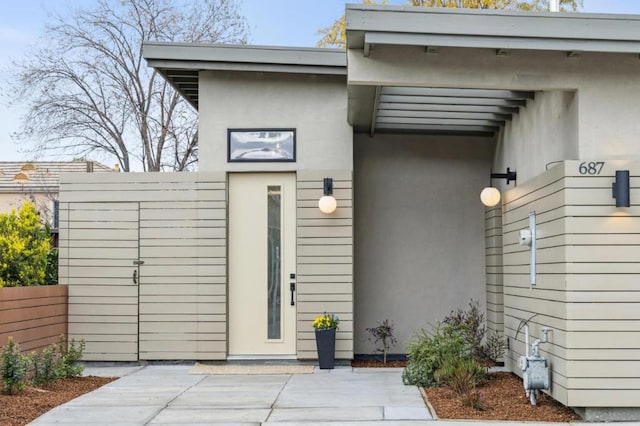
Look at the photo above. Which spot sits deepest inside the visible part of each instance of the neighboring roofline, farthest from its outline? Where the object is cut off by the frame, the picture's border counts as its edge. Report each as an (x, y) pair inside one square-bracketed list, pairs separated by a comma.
[(180, 63), (499, 29)]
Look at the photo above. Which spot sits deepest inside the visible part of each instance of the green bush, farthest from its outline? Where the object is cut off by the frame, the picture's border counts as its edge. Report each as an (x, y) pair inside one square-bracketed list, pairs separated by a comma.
[(462, 375), (51, 269), (427, 352), (24, 246), (70, 358), (45, 366), (13, 368)]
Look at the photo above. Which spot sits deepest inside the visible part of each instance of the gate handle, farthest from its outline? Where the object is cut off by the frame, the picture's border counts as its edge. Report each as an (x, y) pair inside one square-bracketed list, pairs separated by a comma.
[(135, 276), (292, 287)]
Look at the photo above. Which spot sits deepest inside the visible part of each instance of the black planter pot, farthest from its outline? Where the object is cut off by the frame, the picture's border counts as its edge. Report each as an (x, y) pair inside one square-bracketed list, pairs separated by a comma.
[(326, 344)]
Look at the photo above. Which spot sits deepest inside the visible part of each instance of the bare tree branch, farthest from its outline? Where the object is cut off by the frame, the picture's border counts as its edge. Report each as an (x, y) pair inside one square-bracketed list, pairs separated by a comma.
[(89, 90)]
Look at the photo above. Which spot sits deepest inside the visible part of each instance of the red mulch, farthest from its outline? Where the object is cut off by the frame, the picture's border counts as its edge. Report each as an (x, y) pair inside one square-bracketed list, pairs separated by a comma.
[(374, 363), (20, 409), (502, 398)]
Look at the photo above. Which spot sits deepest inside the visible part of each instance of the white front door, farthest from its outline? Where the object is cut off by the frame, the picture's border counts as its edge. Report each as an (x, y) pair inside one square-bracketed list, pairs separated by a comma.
[(262, 258)]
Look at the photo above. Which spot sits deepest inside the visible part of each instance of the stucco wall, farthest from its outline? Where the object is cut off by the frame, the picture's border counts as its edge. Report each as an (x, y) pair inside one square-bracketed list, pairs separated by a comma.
[(419, 230), (604, 107), (43, 202), (544, 131), (316, 106)]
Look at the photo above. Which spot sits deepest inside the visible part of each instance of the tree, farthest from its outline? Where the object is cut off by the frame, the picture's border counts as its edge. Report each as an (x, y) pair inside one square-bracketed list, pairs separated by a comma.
[(24, 247), (89, 91), (336, 36)]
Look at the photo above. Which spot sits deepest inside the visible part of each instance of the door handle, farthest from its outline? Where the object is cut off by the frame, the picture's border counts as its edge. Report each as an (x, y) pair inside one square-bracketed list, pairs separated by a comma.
[(292, 287), (135, 276)]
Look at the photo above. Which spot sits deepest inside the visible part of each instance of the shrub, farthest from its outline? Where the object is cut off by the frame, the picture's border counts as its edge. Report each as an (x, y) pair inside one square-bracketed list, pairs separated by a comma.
[(383, 333), (472, 322), (24, 245), (472, 325), (70, 358), (495, 346), (45, 365), (462, 375), (13, 368), (426, 353), (51, 268)]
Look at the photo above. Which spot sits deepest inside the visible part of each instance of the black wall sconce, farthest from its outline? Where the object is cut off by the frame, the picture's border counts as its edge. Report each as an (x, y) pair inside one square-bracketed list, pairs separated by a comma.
[(490, 196), (620, 189), (327, 203)]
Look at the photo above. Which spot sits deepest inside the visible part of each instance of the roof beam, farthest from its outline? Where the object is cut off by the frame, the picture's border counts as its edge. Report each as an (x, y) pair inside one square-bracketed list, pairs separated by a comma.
[(456, 92), (437, 121), (436, 127), (452, 100), (444, 114), (449, 108)]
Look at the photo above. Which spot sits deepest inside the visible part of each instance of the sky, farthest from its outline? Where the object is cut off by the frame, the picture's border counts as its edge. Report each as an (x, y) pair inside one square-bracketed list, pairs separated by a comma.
[(271, 22)]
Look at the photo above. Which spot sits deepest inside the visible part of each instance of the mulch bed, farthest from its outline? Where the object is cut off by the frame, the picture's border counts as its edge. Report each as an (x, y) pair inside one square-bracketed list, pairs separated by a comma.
[(503, 398), (375, 363), (20, 409)]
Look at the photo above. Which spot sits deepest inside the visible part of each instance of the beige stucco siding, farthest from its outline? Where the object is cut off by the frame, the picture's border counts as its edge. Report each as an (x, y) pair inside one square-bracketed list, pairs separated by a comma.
[(325, 260), (316, 106), (176, 224)]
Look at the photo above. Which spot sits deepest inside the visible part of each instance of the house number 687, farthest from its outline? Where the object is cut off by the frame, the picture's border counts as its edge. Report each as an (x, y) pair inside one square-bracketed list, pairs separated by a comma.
[(591, 167)]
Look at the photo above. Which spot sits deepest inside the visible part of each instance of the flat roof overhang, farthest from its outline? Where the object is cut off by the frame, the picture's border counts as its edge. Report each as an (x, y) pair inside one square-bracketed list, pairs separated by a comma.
[(180, 63), (385, 107)]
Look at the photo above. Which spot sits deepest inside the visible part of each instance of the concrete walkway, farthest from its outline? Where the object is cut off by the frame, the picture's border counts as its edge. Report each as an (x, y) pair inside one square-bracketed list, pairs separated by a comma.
[(168, 395)]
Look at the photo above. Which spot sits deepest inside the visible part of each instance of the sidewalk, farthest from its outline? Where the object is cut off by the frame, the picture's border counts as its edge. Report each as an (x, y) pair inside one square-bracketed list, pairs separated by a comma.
[(169, 395)]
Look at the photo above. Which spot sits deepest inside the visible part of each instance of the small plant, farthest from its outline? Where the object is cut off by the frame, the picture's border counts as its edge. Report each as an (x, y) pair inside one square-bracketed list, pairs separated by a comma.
[(383, 334), (70, 358), (462, 375), (13, 368), (472, 399), (495, 346), (326, 322), (45, 365)]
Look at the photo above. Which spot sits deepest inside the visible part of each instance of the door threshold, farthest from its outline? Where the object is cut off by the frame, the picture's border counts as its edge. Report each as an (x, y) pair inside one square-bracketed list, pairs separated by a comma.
[(262, 358)]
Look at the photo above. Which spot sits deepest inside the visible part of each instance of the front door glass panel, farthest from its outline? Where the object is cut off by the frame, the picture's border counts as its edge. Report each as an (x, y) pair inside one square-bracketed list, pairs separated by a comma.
[(274, 278)]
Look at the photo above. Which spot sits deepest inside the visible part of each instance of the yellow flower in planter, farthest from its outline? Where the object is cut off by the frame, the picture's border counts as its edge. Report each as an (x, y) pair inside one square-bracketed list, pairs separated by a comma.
[(326, 322)]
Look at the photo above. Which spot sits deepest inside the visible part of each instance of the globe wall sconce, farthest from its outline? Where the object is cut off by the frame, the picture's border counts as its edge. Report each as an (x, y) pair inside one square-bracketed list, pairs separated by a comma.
[(327, 203), (620, 189), (490, 196)]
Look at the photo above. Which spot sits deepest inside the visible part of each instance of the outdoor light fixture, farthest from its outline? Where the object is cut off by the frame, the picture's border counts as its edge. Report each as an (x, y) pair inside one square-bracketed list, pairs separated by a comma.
[(327, 203), (490, 196), (620, 188)]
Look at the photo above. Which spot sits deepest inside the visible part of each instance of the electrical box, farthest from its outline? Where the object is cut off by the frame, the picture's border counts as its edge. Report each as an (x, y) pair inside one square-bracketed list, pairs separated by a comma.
[(525, 237)]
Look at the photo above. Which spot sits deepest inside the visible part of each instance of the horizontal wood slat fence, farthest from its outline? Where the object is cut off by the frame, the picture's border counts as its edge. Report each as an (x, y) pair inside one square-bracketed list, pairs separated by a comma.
[(34, 316)]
